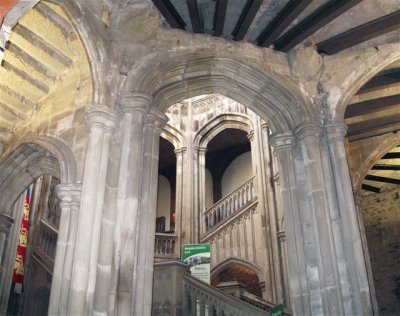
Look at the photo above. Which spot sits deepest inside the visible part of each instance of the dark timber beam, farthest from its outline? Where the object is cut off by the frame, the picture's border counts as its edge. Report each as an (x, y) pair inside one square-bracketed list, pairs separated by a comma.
[(381, 81), (169, 12), (245, 19), (386, 167), (281, 22), (370, 188), (197, 23), (55, 18), (360, 34), (382, 179), (372, 106), (395, 155), (392, 121), (319, 18), (219, 17)]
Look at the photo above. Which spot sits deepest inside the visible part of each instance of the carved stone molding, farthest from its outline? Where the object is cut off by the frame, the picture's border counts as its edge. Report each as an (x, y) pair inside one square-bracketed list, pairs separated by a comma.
[(136, 102), (307, 130), (336, 132), (282, 141), (5, 223), (103, 117)]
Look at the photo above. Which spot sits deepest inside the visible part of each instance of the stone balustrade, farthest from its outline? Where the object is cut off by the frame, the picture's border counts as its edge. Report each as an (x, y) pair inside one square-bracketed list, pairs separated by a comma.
[(47, 239), (229, 205), (165, 245), (201, 299)]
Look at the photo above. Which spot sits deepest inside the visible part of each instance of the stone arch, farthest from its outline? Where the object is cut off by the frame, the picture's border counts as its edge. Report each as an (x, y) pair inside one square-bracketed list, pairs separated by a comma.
[(93, 45), (220, 123), (172, 135), (234, 260), (375, 60), (387, 144), (175, 76), (30, 158)]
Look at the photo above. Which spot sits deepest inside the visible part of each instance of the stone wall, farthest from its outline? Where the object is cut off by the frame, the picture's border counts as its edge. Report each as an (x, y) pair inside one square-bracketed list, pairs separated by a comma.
[(382, 225)]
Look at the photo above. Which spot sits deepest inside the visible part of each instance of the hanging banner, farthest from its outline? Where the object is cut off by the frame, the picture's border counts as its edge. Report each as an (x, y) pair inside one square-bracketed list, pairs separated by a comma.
[(19, 265), (198, 258)]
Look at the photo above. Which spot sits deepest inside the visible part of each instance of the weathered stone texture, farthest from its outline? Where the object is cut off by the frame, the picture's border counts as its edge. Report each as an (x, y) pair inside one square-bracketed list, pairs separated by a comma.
[(382, 225)]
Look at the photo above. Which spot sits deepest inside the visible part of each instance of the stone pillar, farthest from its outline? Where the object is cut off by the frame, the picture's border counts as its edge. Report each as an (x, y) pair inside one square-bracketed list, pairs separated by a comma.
[(180, 153), (5, 226), (349, 223), (298, 281), (201, 186), (143, 276), (135, 106), (271, 211), (319, 249), (69, 195), (101, 122)]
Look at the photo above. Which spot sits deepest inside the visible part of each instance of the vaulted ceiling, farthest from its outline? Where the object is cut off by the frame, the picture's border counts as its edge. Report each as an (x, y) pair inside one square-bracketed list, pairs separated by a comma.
[(42, 54)]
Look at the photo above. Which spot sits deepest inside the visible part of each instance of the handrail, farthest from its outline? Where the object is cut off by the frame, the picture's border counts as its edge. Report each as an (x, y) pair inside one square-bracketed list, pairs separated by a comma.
[(203, 299), (229, 205)]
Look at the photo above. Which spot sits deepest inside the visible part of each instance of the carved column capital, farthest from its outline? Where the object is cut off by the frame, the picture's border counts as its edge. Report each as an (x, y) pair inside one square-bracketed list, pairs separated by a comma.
[(336, 132), (282, 141), (156, 119), (250, 136), (132, 102), (5, 223), (69, 193), (180, 151), (102, 117), (306, 130)]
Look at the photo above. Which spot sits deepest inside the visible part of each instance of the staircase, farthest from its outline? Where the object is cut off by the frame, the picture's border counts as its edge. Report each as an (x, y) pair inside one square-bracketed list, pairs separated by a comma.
[(177, 293)]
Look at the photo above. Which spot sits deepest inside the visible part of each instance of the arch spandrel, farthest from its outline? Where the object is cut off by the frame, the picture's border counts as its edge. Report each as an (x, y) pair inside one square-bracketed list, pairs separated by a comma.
[(365, 64), (173, 77)]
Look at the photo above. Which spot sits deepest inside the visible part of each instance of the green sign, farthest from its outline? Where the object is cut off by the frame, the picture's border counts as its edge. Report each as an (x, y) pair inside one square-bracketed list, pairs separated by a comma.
[(197, 257), (276, 311)]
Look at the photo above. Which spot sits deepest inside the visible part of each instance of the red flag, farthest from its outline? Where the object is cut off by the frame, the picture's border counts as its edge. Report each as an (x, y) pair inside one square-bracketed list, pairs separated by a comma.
[(19, 265)]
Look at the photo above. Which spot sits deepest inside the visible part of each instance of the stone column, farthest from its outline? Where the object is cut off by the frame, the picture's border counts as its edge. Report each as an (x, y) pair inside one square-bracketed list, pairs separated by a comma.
[(298, 281), (200, 182), (319, 248), (135, 106), (5, 225), (180, 153), (69, 194), (75, 192), (101, 122), (350, 228), (143, 275)]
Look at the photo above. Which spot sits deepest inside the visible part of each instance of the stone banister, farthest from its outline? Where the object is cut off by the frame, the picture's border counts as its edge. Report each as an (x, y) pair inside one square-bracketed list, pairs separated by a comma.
[(165, 245), (200, 298), (229, 205)]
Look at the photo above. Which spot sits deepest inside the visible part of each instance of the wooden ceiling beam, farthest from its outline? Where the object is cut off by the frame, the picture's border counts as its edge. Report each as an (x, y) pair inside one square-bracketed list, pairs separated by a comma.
[(219, 17), (392, 121), (169, 12), (381, 81), (195, 17), (382, 179), (394, 155), (370, 188), (316, 20), (281, 22), (246, 18), (372, 106), (386, 167), (360, 34)]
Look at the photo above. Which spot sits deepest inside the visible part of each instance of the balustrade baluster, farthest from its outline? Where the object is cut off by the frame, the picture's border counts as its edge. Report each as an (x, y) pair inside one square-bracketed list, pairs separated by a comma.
[(193, 303)]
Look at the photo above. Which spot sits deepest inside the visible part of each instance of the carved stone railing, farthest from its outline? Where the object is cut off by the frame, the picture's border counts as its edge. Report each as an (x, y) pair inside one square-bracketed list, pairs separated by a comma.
[(201, 299), (165, 245), (229, 205)]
